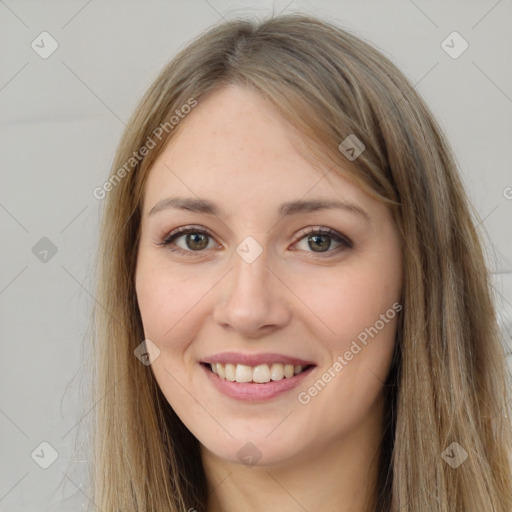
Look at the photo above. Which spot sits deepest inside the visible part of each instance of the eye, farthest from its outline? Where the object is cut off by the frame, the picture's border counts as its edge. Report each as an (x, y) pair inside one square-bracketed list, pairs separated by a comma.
[(189, 239), (320, 240), (192, 240)]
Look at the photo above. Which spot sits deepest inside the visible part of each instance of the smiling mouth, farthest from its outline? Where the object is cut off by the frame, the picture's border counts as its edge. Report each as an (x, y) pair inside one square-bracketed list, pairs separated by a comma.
[(259, 374)]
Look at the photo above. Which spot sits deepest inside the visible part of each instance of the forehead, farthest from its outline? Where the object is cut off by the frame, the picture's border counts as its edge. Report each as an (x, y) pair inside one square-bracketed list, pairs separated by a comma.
[(235, 144)]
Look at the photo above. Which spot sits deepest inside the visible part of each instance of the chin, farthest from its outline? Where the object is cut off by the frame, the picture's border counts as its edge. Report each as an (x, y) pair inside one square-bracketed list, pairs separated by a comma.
[(259, 452)]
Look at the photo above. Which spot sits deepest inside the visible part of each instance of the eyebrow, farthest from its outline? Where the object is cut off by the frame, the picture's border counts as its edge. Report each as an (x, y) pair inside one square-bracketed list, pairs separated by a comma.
[(289, 208)]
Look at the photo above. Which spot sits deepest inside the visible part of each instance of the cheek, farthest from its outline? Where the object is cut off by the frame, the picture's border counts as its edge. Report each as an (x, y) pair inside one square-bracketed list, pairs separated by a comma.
[(170, 311), (356, 312), (168, 304), (359, 316), (347, 302)]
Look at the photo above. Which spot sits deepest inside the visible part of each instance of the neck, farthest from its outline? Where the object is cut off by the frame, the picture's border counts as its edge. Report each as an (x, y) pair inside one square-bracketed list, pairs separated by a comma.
[(336, 476)]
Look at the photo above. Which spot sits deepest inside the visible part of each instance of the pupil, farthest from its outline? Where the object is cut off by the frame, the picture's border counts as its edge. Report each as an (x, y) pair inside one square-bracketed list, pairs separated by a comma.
[(198, 241), (317, 239)]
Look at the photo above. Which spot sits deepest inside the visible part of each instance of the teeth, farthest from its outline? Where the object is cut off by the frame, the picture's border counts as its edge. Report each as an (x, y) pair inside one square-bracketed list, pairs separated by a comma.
[(229, 371), (260, 374), (243, 373), (221, 371), (277, 372), (288, 370)]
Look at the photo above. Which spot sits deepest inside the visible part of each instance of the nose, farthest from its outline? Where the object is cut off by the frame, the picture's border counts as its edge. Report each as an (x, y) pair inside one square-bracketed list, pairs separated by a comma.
[(251, 299)]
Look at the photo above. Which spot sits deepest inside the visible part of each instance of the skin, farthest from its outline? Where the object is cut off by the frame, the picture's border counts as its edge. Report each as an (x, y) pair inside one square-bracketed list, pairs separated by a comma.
[(237, 151)]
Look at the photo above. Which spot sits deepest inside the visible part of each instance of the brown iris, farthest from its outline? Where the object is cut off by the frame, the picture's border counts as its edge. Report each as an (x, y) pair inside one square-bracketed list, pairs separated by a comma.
[(323, 241), (196, 241)]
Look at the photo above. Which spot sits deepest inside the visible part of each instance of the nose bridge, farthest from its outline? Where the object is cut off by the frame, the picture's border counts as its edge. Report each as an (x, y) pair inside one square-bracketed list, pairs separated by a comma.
[(250, 298), (249, 283)]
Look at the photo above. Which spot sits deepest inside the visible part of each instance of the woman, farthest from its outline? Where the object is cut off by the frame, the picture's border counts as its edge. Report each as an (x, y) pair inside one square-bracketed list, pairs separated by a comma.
[(294, 307)]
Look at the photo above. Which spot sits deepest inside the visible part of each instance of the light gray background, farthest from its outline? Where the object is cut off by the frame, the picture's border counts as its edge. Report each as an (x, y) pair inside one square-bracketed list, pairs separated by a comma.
[(61, 119)]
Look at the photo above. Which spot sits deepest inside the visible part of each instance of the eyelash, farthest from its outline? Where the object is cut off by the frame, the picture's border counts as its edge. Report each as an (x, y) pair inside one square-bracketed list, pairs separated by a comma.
[(177, 233)]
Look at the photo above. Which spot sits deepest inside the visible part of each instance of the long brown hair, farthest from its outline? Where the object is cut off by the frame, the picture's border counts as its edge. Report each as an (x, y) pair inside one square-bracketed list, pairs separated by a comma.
[(448, 382)]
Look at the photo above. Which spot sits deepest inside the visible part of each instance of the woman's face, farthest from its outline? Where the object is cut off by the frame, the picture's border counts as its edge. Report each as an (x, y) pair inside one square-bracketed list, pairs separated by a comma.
[(284, 269)]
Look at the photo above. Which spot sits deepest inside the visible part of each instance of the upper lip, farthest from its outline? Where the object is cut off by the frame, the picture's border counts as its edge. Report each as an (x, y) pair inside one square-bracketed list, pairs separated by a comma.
[(255, 359)]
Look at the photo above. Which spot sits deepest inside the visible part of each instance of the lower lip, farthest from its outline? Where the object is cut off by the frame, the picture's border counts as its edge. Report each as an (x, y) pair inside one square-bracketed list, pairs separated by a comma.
[(254, 392)]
